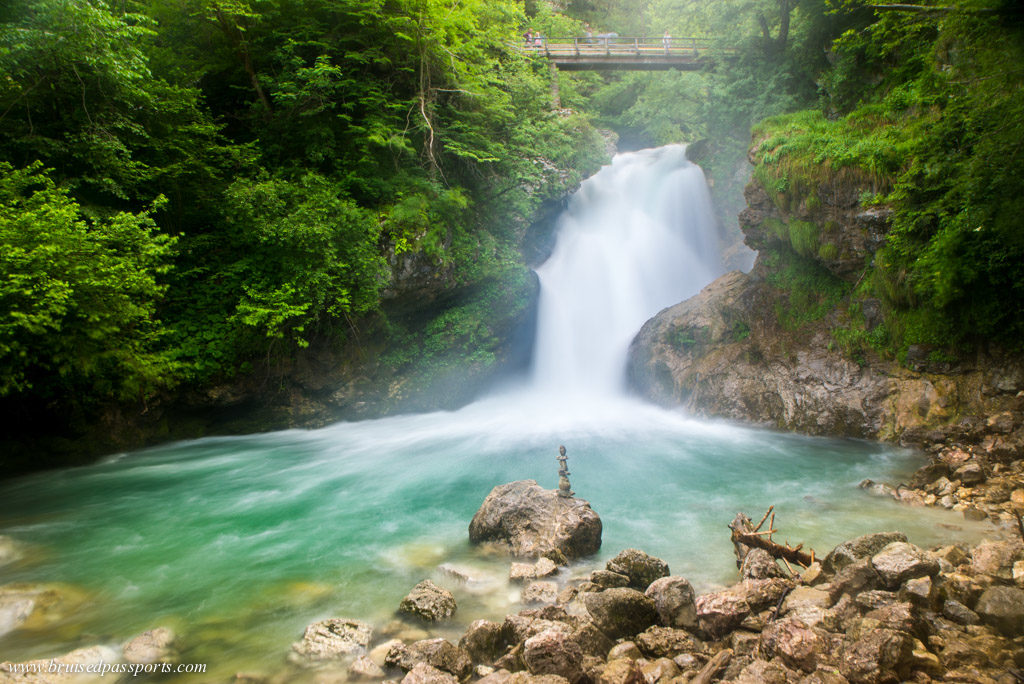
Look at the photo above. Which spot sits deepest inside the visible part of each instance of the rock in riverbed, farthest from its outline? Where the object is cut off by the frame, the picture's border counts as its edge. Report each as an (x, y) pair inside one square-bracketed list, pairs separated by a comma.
[(429, 602), (531, 522)]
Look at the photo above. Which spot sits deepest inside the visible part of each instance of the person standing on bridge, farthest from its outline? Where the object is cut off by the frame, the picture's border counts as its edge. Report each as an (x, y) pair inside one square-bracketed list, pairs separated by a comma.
[(667, 41)]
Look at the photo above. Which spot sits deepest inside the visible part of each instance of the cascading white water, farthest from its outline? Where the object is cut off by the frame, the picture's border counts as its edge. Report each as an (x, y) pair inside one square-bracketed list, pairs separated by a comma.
[(637, 237)]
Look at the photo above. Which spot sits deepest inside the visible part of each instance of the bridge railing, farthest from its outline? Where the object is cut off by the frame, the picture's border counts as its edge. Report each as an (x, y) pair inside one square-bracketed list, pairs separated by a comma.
[(618, 46)]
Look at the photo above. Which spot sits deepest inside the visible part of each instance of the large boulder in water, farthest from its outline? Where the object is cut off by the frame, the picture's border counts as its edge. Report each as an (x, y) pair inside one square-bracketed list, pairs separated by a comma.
[(531, 521)]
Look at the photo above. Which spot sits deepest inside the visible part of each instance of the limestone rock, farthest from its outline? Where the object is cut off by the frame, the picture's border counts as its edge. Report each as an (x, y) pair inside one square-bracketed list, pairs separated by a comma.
[(153, 646), (425, 674), (553, 653), (674, 600), (798, 645), (624, 649), (438, 653), (665, 642), (864, 546), (959, 613), (721, 612), (1003, 608), (531, 522), (899, 561), (592, 640), (428, 602), (364, 668), (331, 639), (540, 592), (996, 558), (763, 672), (759, 564), (608, 580), (622, 671), (639, 567), (881, 655), (661, 670), (621, 612), (484, 641), (806, 604)]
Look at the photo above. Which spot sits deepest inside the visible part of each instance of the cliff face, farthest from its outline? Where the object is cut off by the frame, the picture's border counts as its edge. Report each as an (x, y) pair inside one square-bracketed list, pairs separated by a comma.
[(746, 348)]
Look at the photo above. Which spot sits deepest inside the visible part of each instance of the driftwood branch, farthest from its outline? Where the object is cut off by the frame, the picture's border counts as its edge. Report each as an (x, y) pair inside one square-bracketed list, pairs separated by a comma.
[(709, 671), (744, 535)]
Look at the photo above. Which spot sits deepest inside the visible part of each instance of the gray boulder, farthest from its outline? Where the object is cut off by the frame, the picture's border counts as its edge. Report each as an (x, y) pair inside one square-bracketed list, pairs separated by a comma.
[(1003, 608), (152, 646), (899, 561), (531, 521), (539, 592), (721, 612), (795, 643), (881, 655), (665, 642), (329, 640), (425, 674), (759, 564), (608, 580), (861, 547), (621, 612), (429, 602), (674, 600), (438, 653), (553, 653), (485, 641), (640, 568)]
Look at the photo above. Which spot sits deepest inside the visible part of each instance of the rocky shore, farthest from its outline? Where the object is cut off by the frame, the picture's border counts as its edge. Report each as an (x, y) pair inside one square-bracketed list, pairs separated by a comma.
[(875, 609)]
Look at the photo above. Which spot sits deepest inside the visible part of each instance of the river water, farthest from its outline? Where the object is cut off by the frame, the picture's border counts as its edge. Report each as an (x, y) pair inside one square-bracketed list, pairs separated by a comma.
[(239, 542)]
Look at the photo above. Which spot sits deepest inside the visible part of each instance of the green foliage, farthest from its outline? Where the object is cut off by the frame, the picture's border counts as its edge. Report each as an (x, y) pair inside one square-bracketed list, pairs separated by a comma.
[(77, 295), (809, 290)]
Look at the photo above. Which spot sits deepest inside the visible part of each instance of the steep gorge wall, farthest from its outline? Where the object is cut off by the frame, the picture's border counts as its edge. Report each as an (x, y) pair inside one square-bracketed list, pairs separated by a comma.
[(748, 348)]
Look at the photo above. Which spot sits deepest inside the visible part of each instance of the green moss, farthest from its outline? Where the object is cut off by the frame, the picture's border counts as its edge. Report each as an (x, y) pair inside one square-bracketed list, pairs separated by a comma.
[(828, 251), (809, 290), (803, 236)]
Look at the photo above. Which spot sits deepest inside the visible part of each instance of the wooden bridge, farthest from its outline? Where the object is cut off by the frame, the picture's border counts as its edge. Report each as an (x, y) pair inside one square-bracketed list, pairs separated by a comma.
[(601, 53)]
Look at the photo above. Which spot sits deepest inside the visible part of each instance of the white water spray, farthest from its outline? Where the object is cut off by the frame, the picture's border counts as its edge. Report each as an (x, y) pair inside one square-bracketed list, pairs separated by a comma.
[(637, 237)]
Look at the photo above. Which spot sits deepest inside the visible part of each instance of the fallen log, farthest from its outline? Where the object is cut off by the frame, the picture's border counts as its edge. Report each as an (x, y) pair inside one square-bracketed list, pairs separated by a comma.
[(744, 537)]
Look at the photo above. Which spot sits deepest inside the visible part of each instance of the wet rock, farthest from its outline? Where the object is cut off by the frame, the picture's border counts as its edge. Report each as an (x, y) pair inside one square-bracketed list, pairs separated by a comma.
[(531, 522), (854, 578), (665, 642), (640, 568), (721, 612), (897, 616), (806, 604), (622, 671), (539, 592), (794, 642), (621, 612), (428, 602), (763, 672), (881, 655), (1003, 608), (484, 641), (438, 653), (608, 580), (364, 668), (759, 564), (331, 640), (969, 474), (153, 646), (625, 649), (926, 475), (761, 594), (35, 606), (864, 546), (553, 653), (661, 670), (918, 591), (592, 640), (525, 572), (378, 654), (674, 600), (959, 613), (423, 673), (899, 561), (995, 558)]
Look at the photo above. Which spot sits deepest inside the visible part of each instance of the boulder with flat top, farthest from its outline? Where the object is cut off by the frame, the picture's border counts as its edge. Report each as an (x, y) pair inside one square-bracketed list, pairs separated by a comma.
[(530, 521)]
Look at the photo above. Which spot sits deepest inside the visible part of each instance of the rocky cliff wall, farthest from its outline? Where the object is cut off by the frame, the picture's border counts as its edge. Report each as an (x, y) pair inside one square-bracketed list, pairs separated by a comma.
[(746, 348)]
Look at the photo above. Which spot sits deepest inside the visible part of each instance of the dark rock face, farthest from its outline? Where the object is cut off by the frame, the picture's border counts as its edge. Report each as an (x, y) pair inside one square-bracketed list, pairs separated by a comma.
[(429, 602), (621, 612), (640, 568), (531, 521)]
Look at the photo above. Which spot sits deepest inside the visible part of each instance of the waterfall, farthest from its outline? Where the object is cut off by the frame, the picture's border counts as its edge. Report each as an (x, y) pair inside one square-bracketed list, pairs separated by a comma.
[(637, 237)]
